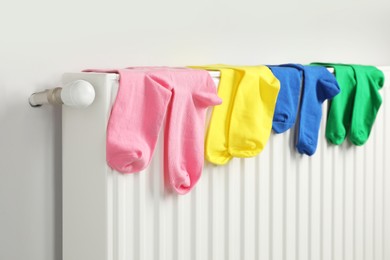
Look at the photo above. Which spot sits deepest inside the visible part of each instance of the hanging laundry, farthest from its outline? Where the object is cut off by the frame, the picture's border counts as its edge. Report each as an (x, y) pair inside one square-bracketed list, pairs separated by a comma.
[(253, 111), (216, 143), (135, 121), (288, 99), (192, 92), (340, 110), (355, 109), (241, 126), (318, 85), (367, 102), (145, 95)]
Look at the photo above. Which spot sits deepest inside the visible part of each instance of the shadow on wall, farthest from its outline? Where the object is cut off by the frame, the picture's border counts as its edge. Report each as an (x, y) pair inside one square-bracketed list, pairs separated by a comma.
[(30, 180)]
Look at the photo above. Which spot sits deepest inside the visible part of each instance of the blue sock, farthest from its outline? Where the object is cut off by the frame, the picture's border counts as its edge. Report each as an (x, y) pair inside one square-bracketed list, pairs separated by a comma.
[(287, 103), (318, 85)]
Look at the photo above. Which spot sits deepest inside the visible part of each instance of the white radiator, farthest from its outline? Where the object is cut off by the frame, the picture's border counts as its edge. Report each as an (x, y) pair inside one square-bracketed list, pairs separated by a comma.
[(277, 206)]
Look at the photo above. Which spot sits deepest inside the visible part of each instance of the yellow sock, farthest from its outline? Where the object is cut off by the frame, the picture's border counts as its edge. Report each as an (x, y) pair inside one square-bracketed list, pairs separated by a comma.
[(241, 126), (253, 111), (216, 141)]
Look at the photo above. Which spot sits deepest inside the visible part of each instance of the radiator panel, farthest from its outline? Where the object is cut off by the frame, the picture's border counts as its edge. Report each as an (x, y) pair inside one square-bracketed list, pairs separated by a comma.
[(279, 205)]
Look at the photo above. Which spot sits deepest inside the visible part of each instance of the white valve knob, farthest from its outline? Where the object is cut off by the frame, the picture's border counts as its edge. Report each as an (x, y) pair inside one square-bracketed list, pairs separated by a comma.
[(79, 93)]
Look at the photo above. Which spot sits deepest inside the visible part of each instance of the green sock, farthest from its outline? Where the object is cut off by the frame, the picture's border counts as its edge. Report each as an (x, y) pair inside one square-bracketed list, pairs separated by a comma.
[(340, 110), (357, 105), (369, 80)]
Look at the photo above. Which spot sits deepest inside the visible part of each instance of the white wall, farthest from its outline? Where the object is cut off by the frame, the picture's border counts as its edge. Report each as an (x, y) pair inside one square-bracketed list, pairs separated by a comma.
[(41, 39)]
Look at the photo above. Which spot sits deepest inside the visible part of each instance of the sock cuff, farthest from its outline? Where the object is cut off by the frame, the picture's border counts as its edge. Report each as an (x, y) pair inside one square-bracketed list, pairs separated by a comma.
[(370, 73), (328, 85)]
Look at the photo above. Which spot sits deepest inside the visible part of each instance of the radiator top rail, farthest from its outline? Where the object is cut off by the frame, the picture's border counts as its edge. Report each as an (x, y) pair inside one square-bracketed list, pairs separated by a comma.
[(81, 94)]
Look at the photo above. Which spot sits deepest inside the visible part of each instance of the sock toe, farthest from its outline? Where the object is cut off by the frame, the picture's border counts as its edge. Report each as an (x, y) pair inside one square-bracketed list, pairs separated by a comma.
[(129, 162), (335, 138), (218, 158), (307, 146), (358, 137), (281, 127), (182, 183)]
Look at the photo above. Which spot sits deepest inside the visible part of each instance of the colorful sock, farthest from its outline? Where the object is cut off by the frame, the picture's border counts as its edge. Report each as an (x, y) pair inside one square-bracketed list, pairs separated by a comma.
[(318, 85), (369, 80), (135, 121), (192, 92), (287, 104), (244, 121), (340, 110), (216, 144), (252, 111)]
